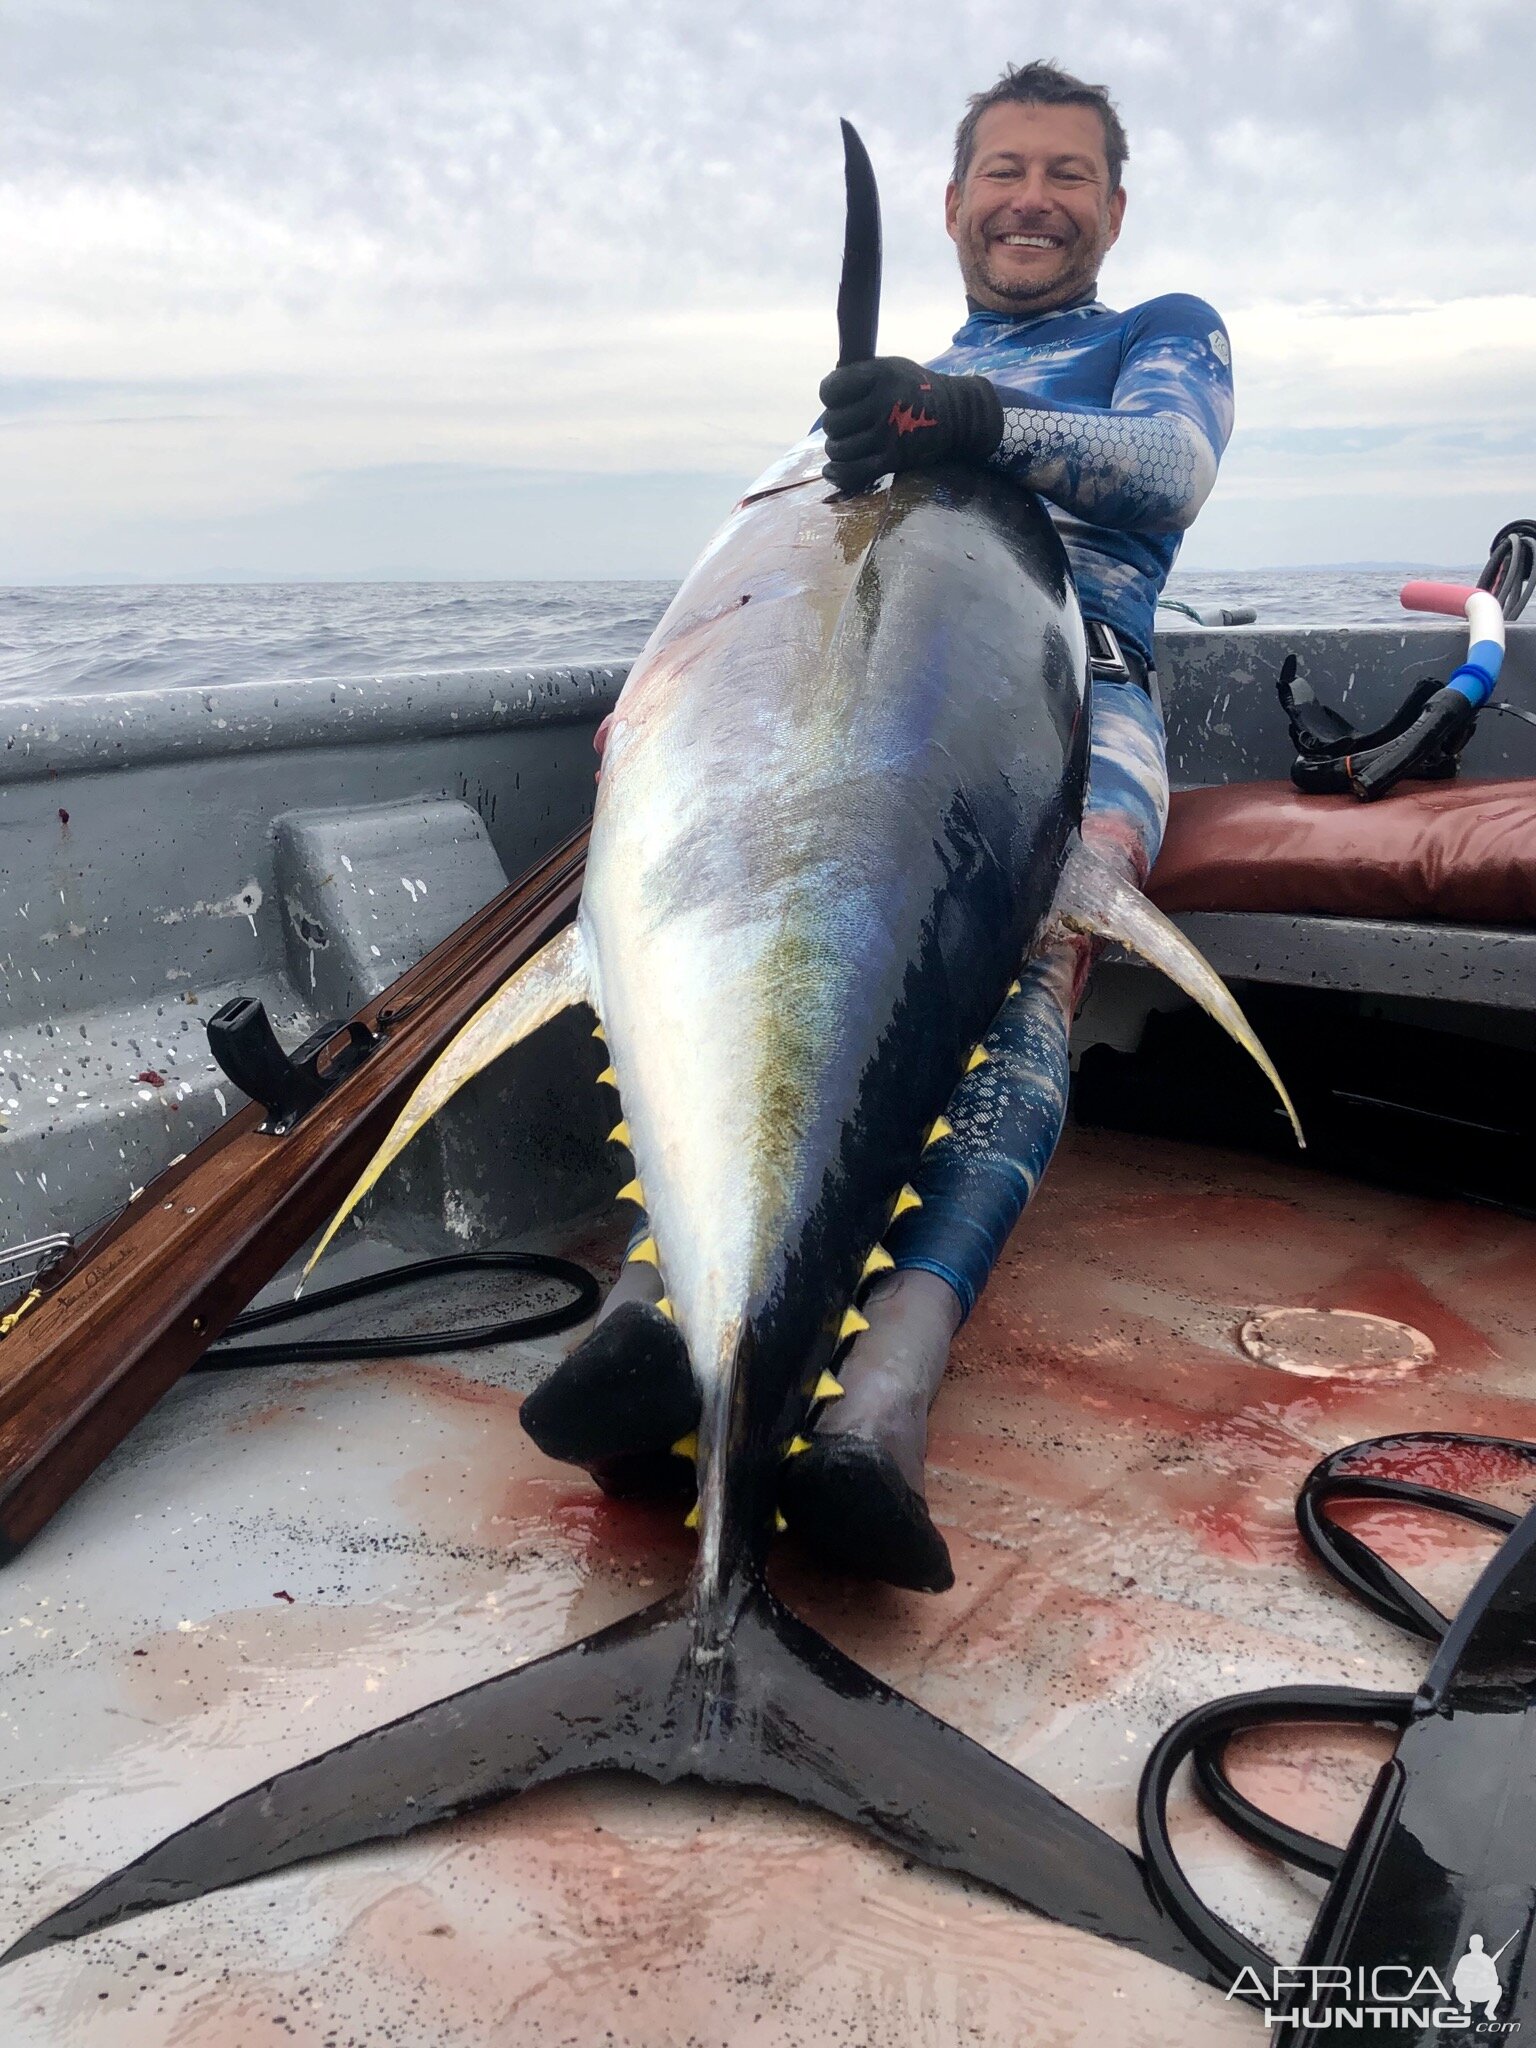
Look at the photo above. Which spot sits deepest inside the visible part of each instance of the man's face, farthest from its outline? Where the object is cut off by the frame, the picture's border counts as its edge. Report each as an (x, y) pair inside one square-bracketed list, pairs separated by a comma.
[(1035, 215)]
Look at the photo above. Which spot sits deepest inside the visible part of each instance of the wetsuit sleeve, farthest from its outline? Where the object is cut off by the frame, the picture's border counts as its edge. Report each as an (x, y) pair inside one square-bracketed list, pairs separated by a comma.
[(1146, 462)]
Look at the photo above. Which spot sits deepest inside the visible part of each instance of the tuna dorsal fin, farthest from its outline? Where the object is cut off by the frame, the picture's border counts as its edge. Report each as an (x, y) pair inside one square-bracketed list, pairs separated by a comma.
[(554, 979), (1093, 899)]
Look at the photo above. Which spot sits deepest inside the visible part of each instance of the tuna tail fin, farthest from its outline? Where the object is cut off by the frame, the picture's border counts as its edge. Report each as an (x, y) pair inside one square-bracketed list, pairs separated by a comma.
[(1094, 900), (774, 1706), (600, 1704), (556, 977)]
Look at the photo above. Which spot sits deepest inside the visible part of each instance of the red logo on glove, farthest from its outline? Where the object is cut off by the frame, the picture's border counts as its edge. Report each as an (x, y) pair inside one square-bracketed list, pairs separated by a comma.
[(907, 419)]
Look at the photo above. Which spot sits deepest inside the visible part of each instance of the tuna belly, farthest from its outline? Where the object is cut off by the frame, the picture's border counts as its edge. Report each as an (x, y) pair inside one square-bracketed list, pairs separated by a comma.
[(831, 821)]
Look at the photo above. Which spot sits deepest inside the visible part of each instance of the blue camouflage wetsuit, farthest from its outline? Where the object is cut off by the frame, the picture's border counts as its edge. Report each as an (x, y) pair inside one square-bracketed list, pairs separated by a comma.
[(1118, 420)]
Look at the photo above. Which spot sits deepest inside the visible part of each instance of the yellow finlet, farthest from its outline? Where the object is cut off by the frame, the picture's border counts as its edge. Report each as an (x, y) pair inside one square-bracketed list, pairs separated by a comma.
[(779, 1523), (798, 1446), (691, 1519), (664, 1308), (687, 1446), (607, 1078), (619, 1135), (631, 1192), (644, 1254), (827, 1389), (851, 1325), (598, 1035), (941, 1127), (909, 1198), (879, 1261), (979, 1057), (1015, 988)]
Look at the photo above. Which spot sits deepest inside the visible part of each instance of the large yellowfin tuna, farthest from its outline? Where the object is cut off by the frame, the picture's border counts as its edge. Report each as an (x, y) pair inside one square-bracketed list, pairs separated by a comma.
[(838, 809)]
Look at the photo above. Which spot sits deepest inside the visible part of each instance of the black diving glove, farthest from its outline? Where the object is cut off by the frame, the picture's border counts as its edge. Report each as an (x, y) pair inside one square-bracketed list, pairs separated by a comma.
[(889, 414)]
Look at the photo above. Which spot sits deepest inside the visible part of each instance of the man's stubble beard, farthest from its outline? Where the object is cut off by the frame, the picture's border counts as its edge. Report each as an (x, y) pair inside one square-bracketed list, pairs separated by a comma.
[(1079, 278)]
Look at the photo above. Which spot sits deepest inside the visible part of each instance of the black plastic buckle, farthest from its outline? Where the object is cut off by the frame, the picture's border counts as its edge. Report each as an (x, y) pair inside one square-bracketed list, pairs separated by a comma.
[(287, 1085)]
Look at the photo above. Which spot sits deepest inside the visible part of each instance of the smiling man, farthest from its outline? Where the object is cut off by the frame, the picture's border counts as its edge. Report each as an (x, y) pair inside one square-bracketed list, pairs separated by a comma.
[(1118, 421)]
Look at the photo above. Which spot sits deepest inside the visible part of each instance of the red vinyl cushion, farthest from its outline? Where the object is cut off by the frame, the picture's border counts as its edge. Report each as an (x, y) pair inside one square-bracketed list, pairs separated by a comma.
[(1462, 852)]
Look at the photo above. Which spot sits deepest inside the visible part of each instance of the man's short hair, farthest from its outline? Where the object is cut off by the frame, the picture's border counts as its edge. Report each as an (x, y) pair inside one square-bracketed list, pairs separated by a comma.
[(1043, 84)]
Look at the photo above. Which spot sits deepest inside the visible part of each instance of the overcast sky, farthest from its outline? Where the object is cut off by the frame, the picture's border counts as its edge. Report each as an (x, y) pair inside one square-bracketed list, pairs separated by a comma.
[(489, 288)]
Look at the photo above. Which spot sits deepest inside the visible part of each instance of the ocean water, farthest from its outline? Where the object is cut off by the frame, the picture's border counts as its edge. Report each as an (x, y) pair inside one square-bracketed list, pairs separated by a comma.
[(147, 636)]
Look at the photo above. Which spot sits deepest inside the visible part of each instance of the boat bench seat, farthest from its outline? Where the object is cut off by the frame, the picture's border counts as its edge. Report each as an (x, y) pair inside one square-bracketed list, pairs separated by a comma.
[(1431, 891)]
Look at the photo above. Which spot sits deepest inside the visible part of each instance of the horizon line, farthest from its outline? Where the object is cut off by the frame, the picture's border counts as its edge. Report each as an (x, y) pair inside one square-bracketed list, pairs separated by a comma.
[(97, 580)]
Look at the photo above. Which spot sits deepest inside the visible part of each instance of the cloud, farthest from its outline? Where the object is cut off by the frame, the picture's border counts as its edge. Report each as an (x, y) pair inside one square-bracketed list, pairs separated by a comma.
[(256, 249)]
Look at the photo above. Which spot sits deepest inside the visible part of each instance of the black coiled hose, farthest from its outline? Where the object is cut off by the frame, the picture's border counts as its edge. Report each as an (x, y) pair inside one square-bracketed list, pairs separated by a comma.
[(422, 1343)]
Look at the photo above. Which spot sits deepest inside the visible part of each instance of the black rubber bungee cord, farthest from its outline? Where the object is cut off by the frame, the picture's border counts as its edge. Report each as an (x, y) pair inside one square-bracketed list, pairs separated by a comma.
[(419, 1344)]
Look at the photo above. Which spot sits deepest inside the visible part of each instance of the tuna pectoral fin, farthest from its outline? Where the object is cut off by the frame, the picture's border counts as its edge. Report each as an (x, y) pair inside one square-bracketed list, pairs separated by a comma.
[(774, 1705), (554, 979), (1093, 899)]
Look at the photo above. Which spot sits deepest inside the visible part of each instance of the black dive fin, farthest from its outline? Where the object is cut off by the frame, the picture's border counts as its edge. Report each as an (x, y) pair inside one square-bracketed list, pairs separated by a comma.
[(1441, 1866), (774, 1706)]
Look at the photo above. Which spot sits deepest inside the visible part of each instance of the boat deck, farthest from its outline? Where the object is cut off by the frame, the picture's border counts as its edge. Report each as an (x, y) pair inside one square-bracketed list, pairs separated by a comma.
[(281, 1558)]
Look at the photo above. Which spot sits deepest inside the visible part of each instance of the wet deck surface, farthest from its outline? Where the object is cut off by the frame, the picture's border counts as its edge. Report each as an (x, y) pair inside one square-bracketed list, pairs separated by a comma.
[(283, 1558)]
